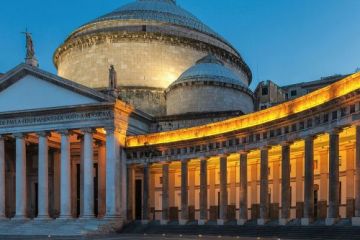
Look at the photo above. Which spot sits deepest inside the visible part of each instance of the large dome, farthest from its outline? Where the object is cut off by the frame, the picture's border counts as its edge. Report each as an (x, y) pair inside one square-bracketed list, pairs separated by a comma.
[(150, 43), (208, 86), (158, 10)]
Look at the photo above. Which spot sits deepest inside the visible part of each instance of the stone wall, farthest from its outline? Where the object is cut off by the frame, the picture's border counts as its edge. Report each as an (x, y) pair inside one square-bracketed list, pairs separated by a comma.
[(207, 98), (138, 63)]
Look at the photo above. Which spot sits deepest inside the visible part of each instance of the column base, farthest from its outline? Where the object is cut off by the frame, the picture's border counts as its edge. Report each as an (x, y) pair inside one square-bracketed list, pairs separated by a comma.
[(164, 222), (183, 221), (306, 221), (65, 217), (87, 217), (145, 222), (241, 222), (331, 221), (112, 217), (20, 218), (202, 222), (43, 218), (221, 222), (262, 221), (283, 221), (355, 221)]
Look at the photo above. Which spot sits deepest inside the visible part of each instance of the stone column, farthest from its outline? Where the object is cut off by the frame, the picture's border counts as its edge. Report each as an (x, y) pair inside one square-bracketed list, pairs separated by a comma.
[(334, 184), (223, 190), (43, 178), (299, 187), (113, 171), (264, 186), (146, 202), (350, 178), (192, 182), (203, 192), (165, 194), (21, 178), (131, 193), (184, 193), (243, 207), (88, 174), (309, 182), (285, 184), (356, 220), (324, 183), (65, 179), (2, 178), (101, 179), (57, 163)]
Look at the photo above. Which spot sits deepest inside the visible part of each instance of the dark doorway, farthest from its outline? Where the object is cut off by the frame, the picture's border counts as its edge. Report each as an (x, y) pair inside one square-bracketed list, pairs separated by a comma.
[(36, 199), (77, 190), (316, 203), (96, 191), (138, 199), (218, 210)]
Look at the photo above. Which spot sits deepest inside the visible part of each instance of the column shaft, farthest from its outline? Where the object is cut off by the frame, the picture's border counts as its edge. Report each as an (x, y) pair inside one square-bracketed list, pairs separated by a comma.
[(243, 209), (165, 193), (333, 210), (2, 178), (65, 179), (223, 190), (43, 163), (146, 200), (309, 181), (21, 178), (264, 186), (113, 178), (88, 174), (101, 180), (285, 184), (357, 172), (203, 191), (184, 192)]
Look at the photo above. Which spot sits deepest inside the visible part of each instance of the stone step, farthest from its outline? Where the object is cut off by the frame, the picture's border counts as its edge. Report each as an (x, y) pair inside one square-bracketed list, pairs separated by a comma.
[(323, 232), (57, 227)]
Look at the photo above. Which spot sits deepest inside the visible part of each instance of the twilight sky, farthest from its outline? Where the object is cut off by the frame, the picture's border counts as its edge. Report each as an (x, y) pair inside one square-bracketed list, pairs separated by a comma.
[(287, 41)]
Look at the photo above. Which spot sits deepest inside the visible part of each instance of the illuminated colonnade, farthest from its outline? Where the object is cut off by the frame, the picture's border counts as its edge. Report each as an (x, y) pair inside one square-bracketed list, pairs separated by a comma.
[(299, 161), (294, 180)]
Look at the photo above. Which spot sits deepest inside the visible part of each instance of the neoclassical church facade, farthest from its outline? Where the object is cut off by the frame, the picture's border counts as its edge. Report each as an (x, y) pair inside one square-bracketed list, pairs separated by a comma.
[(170, 134)]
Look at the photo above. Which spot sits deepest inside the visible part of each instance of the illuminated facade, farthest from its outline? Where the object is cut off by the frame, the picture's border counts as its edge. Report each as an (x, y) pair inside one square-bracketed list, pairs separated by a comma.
[(77, 150)]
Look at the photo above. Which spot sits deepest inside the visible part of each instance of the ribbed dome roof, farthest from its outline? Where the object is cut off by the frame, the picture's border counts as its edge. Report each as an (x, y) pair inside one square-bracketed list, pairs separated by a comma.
[(158, 10), (209, 68)]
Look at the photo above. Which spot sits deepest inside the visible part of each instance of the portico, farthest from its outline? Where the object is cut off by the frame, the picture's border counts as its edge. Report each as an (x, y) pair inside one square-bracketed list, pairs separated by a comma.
[(62, 161)]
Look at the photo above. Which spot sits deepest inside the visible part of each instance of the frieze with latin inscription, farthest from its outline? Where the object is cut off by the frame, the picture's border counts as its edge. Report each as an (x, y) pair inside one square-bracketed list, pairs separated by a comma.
[(57, 118)]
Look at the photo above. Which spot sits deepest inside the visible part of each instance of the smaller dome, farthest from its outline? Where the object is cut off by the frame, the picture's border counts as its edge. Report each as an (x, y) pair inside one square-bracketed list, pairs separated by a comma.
[(210, 69)]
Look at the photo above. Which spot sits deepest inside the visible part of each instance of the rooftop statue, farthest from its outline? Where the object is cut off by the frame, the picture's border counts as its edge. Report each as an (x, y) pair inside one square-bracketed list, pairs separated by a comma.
[(30, 52), (112, 77)]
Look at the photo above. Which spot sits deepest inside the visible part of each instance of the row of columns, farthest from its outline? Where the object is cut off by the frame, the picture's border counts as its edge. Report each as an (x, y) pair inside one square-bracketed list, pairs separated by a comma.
[(308, 211), (113, 176)]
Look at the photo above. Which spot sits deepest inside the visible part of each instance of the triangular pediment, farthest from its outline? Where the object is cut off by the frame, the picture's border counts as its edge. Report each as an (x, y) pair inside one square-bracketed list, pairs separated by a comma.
[(29, 88)]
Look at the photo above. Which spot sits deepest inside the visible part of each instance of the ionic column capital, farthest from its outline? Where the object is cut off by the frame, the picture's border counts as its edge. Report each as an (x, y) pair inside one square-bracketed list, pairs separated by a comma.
[(19, 135), (266, 147), (310, 137), (243, 152), (112, 129), (335, 131), (88, 130), (286, 143), (64, 132), (43, 134)]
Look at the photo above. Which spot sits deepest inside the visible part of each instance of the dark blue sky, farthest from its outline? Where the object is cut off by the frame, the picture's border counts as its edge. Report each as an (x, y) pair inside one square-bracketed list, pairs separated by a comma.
[(287, 41)]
